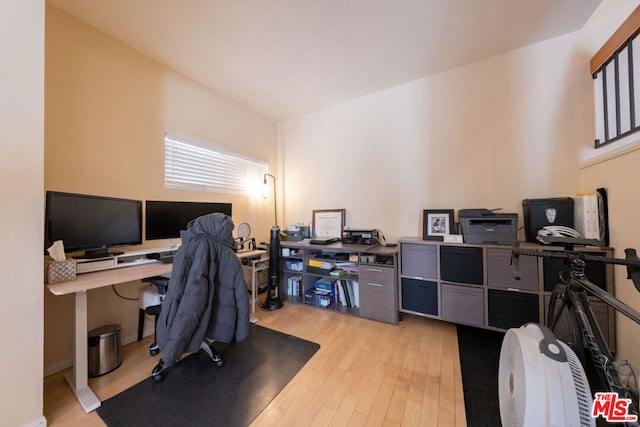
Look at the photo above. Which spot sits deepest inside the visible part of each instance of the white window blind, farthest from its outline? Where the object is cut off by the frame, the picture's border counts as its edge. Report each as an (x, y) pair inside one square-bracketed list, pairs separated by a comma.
[(191, 166)]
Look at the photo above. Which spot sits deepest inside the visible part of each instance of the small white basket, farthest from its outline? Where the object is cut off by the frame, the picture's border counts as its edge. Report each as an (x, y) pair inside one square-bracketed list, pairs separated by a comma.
[(61, 271)]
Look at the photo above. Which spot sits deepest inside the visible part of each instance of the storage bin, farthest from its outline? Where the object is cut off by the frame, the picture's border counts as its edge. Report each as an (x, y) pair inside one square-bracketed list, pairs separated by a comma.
[(420, 296), (104, 350), (510, 309), (463, 304), (500, 270), (461, 264), (419, 260), (595, 272)]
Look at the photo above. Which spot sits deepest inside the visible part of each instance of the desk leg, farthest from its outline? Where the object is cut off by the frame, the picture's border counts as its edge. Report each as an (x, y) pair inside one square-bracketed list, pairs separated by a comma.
[(78, 378), (254, 292)]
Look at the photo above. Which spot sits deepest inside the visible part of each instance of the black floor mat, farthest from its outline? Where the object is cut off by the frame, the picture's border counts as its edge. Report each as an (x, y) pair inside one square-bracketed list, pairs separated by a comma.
[(479, 361), (196, 393)]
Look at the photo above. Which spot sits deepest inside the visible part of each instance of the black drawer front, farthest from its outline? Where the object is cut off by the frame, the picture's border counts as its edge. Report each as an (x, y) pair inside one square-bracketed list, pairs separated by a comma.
[(595, 271), (512, 309), (461, 265), (420, 296)]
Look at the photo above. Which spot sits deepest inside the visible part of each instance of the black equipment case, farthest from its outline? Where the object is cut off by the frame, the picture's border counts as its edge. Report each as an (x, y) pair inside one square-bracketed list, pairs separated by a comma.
[(539, 213)]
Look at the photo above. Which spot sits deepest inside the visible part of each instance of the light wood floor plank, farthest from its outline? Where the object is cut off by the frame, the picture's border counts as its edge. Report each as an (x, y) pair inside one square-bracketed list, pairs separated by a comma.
[(366, 373)]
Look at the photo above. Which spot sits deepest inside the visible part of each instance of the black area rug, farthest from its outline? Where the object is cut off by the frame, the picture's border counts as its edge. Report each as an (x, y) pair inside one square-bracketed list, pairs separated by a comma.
[(196, 393), (479, 360)]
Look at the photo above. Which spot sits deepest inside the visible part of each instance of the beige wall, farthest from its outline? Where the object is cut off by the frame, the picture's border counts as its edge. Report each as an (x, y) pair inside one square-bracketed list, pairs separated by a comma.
[(620, 176), (486, 135), (482, 136), (21, 161), (107, 109)]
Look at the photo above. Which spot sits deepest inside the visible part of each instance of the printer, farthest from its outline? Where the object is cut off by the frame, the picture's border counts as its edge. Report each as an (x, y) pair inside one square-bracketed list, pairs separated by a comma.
[(482, 226)]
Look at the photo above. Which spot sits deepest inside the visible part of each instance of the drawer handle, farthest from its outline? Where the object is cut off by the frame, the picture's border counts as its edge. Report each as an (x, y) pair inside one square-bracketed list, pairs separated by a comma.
[(375, 270), (375, 284)]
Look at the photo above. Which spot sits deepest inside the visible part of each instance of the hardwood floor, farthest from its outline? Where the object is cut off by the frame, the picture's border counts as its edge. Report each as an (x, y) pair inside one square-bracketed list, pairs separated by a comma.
[(366, 373)]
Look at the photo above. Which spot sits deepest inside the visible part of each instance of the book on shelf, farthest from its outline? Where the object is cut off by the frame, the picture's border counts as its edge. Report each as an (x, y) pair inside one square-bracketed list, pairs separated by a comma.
[(325, 283), (347, 266), (294, 286), (348, 292), (322, 263)]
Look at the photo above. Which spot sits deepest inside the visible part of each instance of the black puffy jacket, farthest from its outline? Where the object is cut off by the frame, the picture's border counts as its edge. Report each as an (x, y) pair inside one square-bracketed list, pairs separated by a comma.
[(207, 296)]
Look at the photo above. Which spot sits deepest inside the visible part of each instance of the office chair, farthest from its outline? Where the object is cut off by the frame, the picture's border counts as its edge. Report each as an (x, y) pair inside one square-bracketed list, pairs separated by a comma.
[(151, 304), (207, 300)]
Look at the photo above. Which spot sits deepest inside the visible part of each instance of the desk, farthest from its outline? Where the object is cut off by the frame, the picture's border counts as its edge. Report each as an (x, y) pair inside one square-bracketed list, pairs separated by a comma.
[(256, 265), (78, 377)]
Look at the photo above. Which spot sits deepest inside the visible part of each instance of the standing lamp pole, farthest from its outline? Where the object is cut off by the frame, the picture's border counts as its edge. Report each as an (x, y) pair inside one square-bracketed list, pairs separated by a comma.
[(275, 198)]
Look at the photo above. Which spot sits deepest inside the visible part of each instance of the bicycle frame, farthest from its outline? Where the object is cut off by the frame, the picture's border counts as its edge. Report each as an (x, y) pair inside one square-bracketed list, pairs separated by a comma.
[(575, 297), (572, 295)]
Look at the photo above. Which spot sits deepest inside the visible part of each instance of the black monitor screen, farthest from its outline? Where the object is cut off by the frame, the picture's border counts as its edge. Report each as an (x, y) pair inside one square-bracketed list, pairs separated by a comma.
[(165, 220), (92, 223)]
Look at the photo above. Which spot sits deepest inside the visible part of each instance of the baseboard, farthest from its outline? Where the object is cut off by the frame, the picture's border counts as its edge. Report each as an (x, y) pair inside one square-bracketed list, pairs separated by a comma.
[(38, 422), (58, 367)]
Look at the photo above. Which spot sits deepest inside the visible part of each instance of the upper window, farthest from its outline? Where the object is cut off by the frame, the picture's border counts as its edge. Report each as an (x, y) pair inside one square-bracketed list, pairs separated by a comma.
[(616, 73), (192, 166)]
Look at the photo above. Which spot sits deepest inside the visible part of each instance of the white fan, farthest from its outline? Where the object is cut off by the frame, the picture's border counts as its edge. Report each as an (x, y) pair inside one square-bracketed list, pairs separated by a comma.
[(541, 381)]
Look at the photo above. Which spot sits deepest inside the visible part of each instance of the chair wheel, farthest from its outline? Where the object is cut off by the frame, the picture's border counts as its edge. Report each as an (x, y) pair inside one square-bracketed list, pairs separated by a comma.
[(154, 349), (216, 357), (219, 362), (156, 374)]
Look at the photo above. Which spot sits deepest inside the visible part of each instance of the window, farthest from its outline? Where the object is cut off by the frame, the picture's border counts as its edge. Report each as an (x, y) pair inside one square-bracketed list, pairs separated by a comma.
[(616, 72), (192, 166)]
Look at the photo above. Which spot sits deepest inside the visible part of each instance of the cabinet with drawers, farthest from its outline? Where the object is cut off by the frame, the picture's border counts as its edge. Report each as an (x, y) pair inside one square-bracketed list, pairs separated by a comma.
[(474, 284), (370, 277)]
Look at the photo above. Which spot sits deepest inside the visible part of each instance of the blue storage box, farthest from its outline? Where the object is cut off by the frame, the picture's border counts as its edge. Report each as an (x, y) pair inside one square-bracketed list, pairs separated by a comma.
[(317, 297), (325, 284)]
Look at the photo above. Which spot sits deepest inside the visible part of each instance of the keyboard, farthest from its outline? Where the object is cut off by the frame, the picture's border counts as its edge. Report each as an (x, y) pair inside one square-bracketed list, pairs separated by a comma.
[(166, 259)]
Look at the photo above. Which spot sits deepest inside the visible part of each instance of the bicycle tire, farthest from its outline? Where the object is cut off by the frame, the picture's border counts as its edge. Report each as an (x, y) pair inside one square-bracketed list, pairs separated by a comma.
[(563, 322)]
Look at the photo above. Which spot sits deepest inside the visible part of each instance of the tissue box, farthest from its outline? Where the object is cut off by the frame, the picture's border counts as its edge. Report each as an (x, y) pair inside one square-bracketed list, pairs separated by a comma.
[(61, 271)]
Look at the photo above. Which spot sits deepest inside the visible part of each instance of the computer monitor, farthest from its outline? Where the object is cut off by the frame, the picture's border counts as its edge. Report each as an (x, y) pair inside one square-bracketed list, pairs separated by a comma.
[(92, 223), (165, 219)]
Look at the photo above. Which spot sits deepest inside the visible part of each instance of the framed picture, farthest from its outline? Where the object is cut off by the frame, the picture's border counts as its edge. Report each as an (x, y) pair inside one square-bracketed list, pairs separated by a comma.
[(436, 223), (328, 223)]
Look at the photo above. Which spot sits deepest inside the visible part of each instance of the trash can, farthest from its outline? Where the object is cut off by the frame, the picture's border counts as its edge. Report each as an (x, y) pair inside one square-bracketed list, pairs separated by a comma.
[(104, 350)]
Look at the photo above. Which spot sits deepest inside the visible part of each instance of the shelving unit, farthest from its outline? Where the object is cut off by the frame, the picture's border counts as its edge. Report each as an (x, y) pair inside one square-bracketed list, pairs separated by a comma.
[(375, 275), (474, 285)]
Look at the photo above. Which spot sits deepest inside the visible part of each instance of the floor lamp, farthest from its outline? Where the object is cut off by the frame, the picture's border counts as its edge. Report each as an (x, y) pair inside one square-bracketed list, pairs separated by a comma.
[(275, 198)]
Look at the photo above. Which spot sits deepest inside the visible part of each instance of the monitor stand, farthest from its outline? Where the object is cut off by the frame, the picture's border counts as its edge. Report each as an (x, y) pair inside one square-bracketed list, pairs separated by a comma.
[(98, 253)]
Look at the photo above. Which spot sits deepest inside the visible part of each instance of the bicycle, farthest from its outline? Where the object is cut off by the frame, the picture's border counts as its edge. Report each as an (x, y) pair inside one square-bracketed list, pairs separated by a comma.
[(570, 299)]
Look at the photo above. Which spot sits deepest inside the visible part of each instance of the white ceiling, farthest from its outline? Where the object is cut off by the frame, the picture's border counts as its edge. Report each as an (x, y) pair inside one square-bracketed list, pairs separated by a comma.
[(283, 58)]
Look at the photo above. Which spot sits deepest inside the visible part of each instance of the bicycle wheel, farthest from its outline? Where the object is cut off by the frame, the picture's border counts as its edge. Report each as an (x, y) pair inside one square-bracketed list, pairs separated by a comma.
[(563, 322)]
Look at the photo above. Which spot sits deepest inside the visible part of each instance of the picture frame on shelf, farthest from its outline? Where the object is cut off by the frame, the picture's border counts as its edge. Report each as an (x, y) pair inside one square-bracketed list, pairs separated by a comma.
[(436, 223), (328, 223)]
